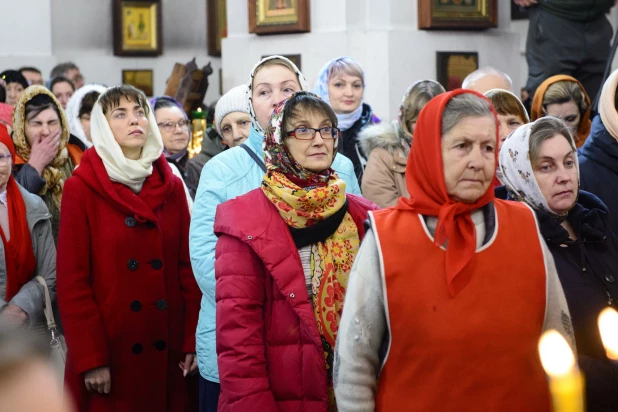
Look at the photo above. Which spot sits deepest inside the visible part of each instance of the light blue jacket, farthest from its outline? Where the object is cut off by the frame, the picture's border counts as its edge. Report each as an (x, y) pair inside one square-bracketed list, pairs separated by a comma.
[(226, 176)]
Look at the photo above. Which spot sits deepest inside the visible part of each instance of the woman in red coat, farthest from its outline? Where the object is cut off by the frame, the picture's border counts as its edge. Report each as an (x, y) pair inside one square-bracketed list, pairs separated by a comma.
[(129, 302), (282, 263)]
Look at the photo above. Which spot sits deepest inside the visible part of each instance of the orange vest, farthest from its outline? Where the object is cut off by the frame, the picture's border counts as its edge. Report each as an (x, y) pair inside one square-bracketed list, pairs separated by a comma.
[(477, 351)]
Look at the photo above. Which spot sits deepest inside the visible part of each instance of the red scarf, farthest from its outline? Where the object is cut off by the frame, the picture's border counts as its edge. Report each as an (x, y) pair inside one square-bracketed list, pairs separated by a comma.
[(428, 195), (18, 254)]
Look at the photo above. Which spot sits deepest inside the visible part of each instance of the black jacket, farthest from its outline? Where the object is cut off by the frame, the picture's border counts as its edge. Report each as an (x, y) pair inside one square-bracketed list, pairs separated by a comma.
[(350, 144), (588, 271), (598, 168)]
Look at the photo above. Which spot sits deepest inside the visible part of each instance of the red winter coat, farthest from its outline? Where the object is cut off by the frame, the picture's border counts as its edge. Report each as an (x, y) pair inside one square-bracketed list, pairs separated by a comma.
[(270, 353), (126, 290)]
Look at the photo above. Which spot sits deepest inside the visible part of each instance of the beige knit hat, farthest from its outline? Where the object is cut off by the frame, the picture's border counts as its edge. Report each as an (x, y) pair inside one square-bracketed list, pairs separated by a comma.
[(233, 101)]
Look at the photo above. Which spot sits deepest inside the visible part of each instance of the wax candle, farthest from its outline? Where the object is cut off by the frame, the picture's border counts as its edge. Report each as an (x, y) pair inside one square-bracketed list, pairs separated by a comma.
[(608, 326), (198, 126), (565, 380)]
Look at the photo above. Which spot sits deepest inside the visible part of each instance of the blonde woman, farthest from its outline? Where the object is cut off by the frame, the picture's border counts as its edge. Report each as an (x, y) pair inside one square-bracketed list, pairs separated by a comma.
[(388, 145)]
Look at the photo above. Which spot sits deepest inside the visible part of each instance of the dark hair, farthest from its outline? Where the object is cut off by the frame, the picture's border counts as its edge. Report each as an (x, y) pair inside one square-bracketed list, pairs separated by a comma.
[(60, 79), (2, 94), (88, 103), (302, 102), (13, 76), (38, 103), (62, 68), (544, 129), (165, 102), (111, 98), (29, 69)]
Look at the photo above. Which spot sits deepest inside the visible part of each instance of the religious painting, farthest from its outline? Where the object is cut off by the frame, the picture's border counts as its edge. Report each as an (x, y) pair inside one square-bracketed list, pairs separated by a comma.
[(294, 58), (453, 67), (137, 28), (457, 14), (217, 26), (279, 16), (140, 79)]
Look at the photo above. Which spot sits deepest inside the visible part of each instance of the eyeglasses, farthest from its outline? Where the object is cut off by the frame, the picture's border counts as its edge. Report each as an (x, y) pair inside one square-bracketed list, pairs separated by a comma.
[(307, 133), (5, 159), (171, 126)]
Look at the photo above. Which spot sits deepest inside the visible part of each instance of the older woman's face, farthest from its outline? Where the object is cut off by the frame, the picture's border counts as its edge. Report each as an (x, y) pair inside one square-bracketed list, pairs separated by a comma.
[(5, 166), (567, 112), (345, 92), (315, 155), (174, 128), (271, 85), (468, 157), (556, 173), (129, 125), (508, 124), (63, 92)]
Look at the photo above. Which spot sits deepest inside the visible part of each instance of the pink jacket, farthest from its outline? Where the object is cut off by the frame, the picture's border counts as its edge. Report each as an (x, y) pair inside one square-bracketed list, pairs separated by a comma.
[(269, 349)]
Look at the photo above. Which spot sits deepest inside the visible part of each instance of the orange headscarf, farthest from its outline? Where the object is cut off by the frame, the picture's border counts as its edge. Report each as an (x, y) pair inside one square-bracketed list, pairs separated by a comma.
[(428, 195), (19, 259), (537, 112)]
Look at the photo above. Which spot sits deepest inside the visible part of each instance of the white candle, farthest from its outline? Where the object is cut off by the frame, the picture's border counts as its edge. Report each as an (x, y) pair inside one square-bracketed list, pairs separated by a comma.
[(608, 326)]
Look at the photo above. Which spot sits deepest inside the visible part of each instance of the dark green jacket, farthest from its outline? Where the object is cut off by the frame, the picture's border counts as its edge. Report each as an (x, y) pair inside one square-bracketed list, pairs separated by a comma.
[(577, 10)]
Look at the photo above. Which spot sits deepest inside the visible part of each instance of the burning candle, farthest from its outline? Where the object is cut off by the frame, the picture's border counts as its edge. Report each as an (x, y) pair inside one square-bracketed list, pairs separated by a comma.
[(565, 380), (608, 326)]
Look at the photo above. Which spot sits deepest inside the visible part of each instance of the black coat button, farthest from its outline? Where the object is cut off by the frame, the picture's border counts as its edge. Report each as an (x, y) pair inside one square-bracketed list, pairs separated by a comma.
[(156, 264), (161, 304), (137, 349), (610, 278), (161, 345), (136, 306), (130, 221), (132, 264)]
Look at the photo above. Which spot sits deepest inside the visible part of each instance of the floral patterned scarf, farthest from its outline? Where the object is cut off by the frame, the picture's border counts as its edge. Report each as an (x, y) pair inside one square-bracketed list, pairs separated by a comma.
[(319, 197)]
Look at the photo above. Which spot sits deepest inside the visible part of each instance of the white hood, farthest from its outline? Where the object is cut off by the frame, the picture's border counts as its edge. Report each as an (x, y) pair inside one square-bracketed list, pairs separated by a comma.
[(72, 111)]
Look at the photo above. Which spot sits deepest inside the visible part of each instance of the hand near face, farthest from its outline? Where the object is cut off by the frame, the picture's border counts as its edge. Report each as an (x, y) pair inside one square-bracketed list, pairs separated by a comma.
[(44, 150), (14, 315)]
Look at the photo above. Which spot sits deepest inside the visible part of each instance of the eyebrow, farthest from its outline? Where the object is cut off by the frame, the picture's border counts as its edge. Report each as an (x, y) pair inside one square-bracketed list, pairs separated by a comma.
[(552, 158)]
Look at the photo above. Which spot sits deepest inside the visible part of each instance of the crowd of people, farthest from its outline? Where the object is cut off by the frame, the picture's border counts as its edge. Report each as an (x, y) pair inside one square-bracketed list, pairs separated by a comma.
[(311, 257)]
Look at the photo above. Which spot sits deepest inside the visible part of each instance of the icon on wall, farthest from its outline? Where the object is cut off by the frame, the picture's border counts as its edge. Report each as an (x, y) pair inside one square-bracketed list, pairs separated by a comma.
[(217, 25), (137, 28), (140, 79), (279, 16), (457, 14), (453, 67)]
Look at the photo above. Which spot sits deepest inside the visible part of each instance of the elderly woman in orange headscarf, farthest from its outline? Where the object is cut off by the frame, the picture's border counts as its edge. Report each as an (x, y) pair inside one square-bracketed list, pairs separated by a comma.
[(437, 315), (565, 98)]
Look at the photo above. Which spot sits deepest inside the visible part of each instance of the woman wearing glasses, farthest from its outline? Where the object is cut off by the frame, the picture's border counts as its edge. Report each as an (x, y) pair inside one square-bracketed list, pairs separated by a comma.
[(282, 270), (174, 126)]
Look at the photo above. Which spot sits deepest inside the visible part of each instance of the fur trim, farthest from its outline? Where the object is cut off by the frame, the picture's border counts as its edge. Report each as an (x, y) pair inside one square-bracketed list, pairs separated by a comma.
[(381, 135)]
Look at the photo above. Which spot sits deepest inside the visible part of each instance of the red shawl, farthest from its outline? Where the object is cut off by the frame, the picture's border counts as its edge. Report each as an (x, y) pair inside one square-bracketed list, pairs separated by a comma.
[(428, 195), (18, 254)]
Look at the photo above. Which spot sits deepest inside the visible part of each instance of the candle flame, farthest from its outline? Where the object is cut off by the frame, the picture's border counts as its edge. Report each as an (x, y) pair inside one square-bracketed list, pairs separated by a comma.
[(608, 326), (199, 109), (556, 354)]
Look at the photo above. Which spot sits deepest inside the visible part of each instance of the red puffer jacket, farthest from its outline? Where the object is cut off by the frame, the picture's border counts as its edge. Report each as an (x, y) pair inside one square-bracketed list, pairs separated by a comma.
[(269, 349)]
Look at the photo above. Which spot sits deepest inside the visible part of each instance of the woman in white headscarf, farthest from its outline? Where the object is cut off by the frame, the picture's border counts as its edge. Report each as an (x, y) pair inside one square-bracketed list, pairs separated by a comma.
[(129, 301), (341, 83), (78, 111)]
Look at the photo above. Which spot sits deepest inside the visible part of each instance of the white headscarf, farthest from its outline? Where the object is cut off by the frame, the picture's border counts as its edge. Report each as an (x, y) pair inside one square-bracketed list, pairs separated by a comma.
[(516, 169), (301, 80), (131, 173), (72, 111), (344, 120)]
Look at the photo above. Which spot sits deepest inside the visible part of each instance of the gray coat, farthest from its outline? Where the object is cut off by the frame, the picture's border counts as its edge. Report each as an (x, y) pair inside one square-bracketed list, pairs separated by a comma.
[(31, 297)]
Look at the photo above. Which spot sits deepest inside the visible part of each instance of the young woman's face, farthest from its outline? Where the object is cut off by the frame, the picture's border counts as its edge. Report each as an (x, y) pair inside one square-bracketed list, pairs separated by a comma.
[(316, 154), (508, 124), (345, 92), (235, 128), (174, 128), (129, 124), (84, 119), (568, 112), (272, 85), (42, 126), (13, 92), (63, 92), (555, 172)]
